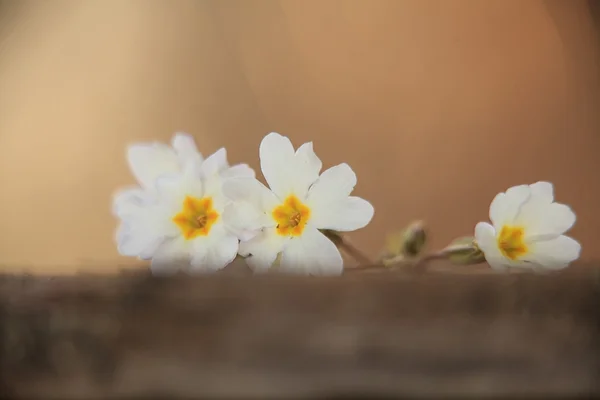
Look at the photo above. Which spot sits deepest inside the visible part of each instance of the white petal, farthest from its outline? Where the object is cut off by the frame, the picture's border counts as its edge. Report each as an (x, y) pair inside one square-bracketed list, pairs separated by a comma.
[(137, 243), (214, 252), (171, 257), (306, 168), (150, 160), (276, 156), (311, 253), (252, 191), (261, 251), (223, 253), (506, 206), (215, 163), (543, 190), (485, 236), (185, 148), (170, 193), (557, 253), (213, 187), (544, 220), (172, 189), (145, 223), (244, 220), (348, 214), (238, 171), (334, 185), (128, 201), (250, 209), (199, 248)]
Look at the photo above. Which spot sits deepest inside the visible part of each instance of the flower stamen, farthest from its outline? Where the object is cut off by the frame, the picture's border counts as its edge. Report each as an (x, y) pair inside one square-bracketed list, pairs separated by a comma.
[(202, 220), (511, 242), (196, 217), (295, 219), (291, 216)]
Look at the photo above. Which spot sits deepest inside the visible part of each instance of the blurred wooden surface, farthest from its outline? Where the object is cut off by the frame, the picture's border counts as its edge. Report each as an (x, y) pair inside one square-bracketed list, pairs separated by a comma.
[(437, 104), (134, 336)]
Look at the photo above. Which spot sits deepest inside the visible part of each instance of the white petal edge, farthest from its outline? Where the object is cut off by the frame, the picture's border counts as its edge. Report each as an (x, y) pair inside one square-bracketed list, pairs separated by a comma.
[(185, 148), (554, 254), (223, 253), (252, 191), (244, 220), (506, 206), (542, 190), (128, 201), (312, 253), (543, 220), (172, 189), (148, 161), (215, 252), (346, 215), (262, 250), (215, 163), (142, 228), (213, 187), (238, 171), (306, 168), (485, 236), (171, 257), (334, 184), (137, 242), (276, 156)]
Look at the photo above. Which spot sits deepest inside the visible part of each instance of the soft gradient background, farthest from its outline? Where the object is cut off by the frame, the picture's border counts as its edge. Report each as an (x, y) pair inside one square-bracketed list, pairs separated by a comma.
[(436, 104)]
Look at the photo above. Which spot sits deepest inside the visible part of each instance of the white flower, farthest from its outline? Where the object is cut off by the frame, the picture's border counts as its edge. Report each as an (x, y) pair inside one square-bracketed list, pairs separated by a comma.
[(287, 218), (134, 205), (175, 215), (527, 230)]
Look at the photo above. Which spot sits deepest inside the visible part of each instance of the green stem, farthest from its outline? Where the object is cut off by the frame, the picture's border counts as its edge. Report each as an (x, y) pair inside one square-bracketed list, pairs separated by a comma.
[(348, 248)]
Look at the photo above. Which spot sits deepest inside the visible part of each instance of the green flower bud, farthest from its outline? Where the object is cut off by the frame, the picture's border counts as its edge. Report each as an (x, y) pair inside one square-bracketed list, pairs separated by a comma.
[(464, 251), (404, 245), (414, 239)]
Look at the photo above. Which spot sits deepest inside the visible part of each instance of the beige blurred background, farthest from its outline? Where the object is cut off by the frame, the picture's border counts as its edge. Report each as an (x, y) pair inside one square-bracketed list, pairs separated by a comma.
[(436, 104)]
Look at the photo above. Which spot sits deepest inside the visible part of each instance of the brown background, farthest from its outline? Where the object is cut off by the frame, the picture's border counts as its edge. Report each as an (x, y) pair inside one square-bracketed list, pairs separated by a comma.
[(437, 105)]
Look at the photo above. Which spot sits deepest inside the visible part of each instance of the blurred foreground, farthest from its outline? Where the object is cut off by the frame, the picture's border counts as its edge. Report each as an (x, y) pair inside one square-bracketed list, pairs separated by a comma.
[(272, 337)]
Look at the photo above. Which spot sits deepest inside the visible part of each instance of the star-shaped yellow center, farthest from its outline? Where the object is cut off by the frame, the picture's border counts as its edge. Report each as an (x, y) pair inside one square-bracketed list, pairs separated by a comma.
[(291, 217), (511, 242), (196, 217)]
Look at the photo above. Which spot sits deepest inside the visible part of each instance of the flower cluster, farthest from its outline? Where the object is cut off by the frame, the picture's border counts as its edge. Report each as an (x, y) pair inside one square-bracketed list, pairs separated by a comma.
[(197, 215)]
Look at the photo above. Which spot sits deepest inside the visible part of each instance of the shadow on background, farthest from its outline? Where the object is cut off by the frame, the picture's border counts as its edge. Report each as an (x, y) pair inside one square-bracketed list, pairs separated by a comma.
[(595, 11)]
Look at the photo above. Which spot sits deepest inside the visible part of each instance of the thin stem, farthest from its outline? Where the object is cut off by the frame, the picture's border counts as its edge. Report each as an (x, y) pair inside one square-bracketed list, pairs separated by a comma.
[(350, 249), (354, 252), (421, 264), (418, 265)]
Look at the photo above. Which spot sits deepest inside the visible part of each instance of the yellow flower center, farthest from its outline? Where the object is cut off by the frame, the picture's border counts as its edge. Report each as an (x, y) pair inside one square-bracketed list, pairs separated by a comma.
[(511, 242), (197, 217), (291, 216)]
